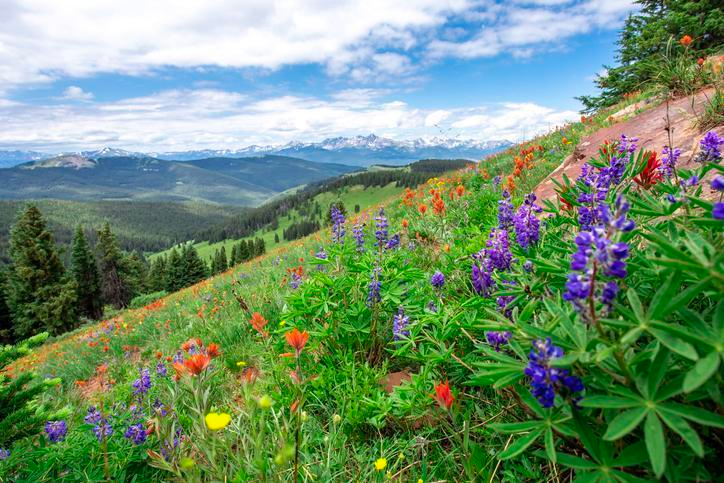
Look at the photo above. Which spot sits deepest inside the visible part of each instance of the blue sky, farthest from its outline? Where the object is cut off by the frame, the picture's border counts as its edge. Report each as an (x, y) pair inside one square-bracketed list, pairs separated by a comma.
[(224, 74)]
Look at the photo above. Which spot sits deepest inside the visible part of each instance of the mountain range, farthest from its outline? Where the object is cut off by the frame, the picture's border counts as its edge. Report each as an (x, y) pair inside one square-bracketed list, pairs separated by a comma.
[(353, 151), (247, 181)]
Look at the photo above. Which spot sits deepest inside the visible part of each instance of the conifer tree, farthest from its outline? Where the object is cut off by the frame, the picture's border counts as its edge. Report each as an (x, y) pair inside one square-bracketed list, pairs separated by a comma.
[(18, 416), (223, 262), (173, 280), (276, 237), (115, 290), (39, 294), (244, 251), (193, 268), (135, 273), (234, 255), (5, 320), (87, 279), (157, 274)]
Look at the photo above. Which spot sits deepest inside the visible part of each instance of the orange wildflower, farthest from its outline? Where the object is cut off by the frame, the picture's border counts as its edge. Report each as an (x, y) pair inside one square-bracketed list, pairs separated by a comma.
[(422, 208), (686, 40), (443, 395), (212, 350), (405, 223), (258, 322), (297, 339)]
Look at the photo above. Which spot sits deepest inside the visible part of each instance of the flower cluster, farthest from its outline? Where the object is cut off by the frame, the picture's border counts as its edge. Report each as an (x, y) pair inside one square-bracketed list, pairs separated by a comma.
[(143, 383), (393, 242), (496, 339), (359, 237), (668, 161), (597, 254), (527, 225), (399, 325), (505, 211), (136, 433), (337, 224), (545, 380), (56, 430), (381, 225), (437, 280), (710, 148), (373, 290), (101, 426)]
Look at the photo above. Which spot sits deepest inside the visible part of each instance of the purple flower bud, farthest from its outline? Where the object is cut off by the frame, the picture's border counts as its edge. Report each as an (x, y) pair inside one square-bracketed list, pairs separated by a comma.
[(437, 280), (496, 339), (717, 211), (399, 325), (718, 183), (136, 433), (56, 430)]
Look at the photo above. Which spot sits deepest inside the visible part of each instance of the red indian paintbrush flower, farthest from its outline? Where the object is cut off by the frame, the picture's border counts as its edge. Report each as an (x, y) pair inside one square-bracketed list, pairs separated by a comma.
[(443, 395), (297, 339), (650, 175), (258, 322), (686, 40), (212, 350), (194, 365)]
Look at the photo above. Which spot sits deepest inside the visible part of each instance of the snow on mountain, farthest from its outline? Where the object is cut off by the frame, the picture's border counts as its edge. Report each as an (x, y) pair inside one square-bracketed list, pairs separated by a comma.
[(354, 150)]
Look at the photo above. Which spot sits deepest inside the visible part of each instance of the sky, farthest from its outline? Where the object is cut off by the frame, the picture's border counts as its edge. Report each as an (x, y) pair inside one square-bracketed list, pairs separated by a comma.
[(186, 74)]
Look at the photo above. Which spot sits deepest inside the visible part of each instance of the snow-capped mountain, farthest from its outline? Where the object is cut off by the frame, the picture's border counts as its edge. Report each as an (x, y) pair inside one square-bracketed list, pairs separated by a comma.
[(358, 150), (353, 151)]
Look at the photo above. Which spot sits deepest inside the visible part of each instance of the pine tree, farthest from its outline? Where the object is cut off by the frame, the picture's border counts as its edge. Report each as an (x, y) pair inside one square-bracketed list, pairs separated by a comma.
[(244, 251), (173, 280), (193, 268), (85, 273), (223, 262), (39, 294), (276, 237), (5, 320), (134, 273), (157, 274), (234, 255), (20, 418), (114, 288)]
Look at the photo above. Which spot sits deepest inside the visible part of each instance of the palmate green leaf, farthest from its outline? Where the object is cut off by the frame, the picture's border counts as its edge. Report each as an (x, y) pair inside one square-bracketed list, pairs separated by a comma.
[(520, 427), (701, 372), (576, 462), (590, 440), (530, 401), (508, 380), (550, 445), (624, 423), (693, 413), (655, 443), (658, 367), (632, 455), (675, 344), (635, 303), (683, 429), (520, 445), (610, 402), (663, 295), (683, 298)]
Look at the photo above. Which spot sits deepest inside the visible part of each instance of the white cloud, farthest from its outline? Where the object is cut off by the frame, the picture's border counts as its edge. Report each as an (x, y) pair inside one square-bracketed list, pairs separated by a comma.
[(369, 40), (208, 118), (75, 93)]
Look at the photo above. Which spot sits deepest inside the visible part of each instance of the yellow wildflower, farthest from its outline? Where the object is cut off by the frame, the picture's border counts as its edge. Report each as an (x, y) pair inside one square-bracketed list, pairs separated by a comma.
[(381, 464), (217, 421), (265, 402)]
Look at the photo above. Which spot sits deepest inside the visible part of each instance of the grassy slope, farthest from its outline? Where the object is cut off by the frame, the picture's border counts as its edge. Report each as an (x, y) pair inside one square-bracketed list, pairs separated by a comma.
[(210, 311), (350, 196)]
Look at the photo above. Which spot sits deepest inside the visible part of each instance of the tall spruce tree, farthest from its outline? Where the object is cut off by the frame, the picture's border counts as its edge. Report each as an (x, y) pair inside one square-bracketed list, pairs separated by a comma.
[(157, 274), (87, 279), (135, 273), (234, 255), (114, 288), (173, 280), (223, 261), (6, 326), (193, 268), (39, 294)]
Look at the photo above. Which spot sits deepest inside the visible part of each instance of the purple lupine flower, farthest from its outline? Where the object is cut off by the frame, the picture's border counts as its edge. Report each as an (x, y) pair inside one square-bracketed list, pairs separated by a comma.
[(178, 357), (160, 408), (143, 383), (373, 293), (337, 224), (627, 144), (393, 242), (4, 454), (136, 433), (527, 225), (94, 416), (528, 266), (437, 280), (498, 250), (505, 211), (56, 430), (399, 325), (710, 151), (295, 281), (167, 447), (161, 369), (359, 236), (718, 183), (381, 225), (668, 161), (321, 254), (717, 211), (103, 429), (481, 276), (545, 380), (432, 307), (496, 339), (497, 180)]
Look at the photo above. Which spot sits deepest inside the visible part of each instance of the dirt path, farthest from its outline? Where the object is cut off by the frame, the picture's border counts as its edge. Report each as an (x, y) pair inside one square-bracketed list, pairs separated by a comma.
[(649, 127)]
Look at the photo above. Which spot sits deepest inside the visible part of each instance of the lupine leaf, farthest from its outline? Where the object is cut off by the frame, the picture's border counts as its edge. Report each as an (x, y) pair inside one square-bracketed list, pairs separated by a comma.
[(682, 428), (663, 295), (632, 455), (624, 423), (693, 413), (519, 427), (675, 344), (701, 372), (655, 443), (576, 462), (610, 402), (657, 369), (520, 445), (550, 445)]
